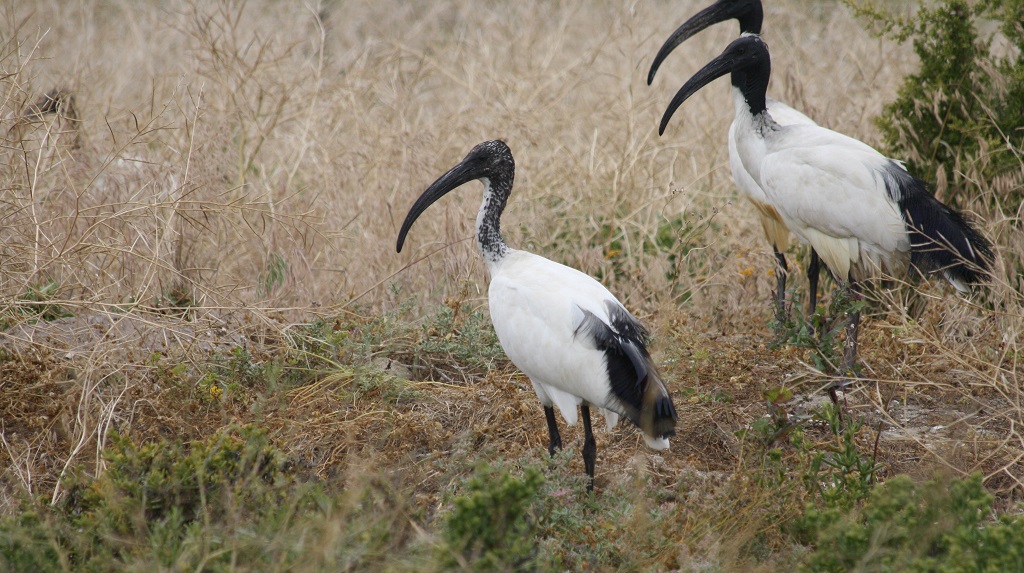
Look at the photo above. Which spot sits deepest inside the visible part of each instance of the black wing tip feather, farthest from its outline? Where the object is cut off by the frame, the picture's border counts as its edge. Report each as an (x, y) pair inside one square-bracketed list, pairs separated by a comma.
[(664, 418), (624, 343), (942, 239), (631, 373)]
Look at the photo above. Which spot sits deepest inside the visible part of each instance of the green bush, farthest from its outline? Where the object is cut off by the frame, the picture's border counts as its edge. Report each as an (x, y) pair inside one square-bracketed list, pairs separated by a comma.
[(960, 117), (176, 505), (457, 341), (940, 526), (489, 529), (178, 482), (466, 338)]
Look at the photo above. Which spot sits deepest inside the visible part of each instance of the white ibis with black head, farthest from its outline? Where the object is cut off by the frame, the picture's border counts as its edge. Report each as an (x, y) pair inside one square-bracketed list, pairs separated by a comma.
[(750, 14), (574, 340), (861, 211)]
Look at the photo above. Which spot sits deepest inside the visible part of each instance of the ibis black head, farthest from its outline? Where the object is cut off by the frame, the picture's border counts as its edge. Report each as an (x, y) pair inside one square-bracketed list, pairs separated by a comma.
[(749, 13), (747, 60), (490, 160)]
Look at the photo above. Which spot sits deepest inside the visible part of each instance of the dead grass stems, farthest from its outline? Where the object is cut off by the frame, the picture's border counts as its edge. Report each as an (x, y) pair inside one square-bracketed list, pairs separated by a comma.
[(247, 169)]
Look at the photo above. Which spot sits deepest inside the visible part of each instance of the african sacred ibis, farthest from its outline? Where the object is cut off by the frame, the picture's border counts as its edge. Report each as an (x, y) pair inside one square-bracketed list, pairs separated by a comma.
[(574, 340), (750, 15), (861, 211)]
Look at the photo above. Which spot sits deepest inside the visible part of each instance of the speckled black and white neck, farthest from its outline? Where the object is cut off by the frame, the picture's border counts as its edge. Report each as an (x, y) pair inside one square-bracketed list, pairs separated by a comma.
[(500, 169), (488, 220)]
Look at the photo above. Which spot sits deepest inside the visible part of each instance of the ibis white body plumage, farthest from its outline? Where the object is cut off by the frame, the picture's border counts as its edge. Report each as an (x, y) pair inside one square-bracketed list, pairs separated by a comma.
[(859, 210), (539, 309), (855, 227), (749, 14), (854, 222), (574, 340), (775, 229)]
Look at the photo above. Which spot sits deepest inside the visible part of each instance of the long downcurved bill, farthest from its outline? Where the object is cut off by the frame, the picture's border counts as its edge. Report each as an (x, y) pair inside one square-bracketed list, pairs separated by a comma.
[(715, 69), (456, 176), (717, 12)]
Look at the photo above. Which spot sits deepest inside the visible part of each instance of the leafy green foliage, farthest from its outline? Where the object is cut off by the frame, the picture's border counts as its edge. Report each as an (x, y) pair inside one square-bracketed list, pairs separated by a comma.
[(466, 337), (629, 247), (906, 526), (821, 332), (489, 527), (674, 238), (854, 523), (821, 475), (965, 106), (168, 481), (167, 503), (27, 543), (840, 476), (228, 503)]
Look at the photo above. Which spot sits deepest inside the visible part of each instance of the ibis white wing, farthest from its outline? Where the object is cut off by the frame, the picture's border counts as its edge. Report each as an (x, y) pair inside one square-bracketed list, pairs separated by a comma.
[(830, 192), (536, 306)]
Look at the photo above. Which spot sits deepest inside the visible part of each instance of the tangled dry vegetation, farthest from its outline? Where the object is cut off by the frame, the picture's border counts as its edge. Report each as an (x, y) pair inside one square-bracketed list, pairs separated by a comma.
[(212, 178)]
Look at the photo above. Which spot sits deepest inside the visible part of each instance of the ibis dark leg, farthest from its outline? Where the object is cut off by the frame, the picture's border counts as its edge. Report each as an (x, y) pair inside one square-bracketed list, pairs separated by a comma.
[(813, 270), (849, 346), (780, 289), (556, 438), (589, 445)]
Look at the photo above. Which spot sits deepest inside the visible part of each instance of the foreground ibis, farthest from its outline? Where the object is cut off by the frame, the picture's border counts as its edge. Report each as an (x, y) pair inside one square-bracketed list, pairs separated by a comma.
[(574, 340), (750, 15), (860, 211)]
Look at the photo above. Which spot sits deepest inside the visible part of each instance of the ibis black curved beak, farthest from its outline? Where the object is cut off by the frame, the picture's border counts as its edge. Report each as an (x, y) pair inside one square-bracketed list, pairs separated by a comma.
[(458, 175), (715, 69), (462, 173), (748, 12), (742, 54)]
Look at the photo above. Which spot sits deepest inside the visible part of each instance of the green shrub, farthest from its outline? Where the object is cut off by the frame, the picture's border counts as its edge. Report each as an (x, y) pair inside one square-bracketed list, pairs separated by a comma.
[(165, 503), (467, 338), (840, 476), (625, 245), (821, 332), (489, 527), (28, 543), (960, 117), (174, 481), (905, 526), (457, 341)]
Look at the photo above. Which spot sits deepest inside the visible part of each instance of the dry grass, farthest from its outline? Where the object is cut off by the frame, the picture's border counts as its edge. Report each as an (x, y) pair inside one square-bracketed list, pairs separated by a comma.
[(251, 161), (247, 131)]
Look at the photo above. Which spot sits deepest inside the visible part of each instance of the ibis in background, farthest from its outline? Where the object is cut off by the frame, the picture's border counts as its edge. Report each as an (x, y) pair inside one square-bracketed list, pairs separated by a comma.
[(859, 210), (750, 15), (574, 340)]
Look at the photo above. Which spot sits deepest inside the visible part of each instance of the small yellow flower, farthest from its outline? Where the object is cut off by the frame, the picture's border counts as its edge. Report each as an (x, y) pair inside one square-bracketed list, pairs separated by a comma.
[(215, 392)]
